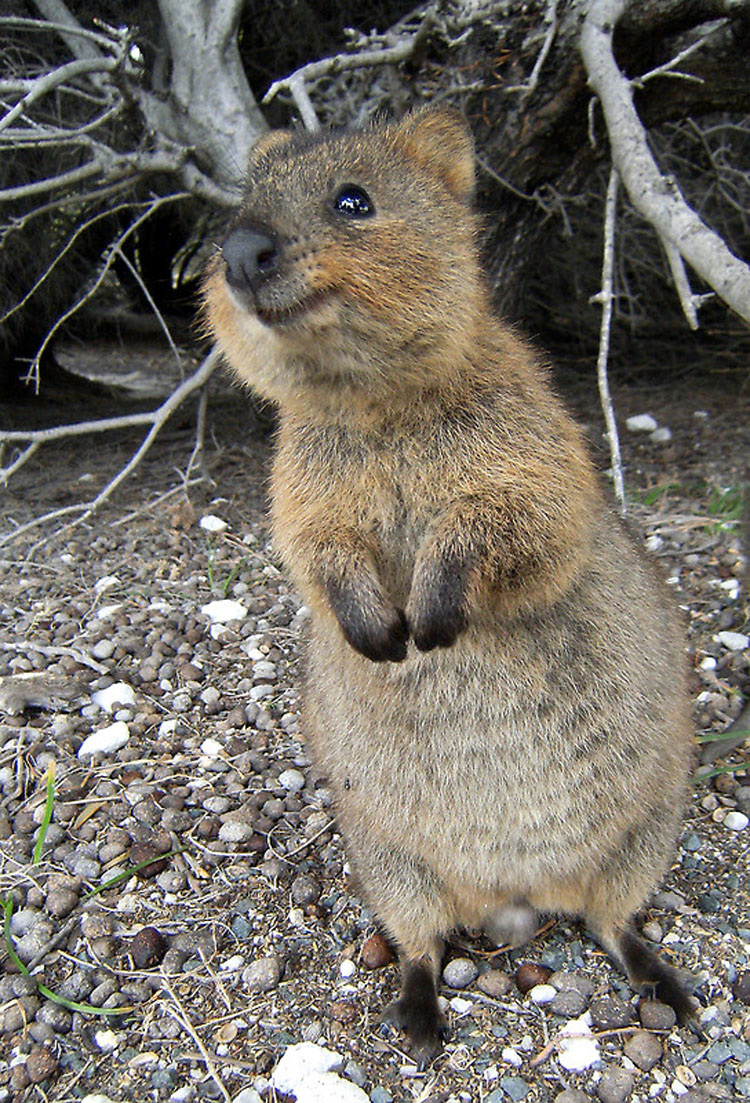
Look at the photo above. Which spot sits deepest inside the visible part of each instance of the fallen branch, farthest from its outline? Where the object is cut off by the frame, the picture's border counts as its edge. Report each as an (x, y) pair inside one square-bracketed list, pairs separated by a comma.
[(605, 297), (157, 419), (655, 196)]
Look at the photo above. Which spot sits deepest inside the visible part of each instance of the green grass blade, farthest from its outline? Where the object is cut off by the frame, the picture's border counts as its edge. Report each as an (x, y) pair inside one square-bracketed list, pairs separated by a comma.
[(123, 876), (47, 818)]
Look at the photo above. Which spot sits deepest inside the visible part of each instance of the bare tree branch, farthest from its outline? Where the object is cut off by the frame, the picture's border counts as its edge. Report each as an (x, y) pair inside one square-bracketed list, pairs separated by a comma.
[(605, 297), (655, 196), (156, 419)]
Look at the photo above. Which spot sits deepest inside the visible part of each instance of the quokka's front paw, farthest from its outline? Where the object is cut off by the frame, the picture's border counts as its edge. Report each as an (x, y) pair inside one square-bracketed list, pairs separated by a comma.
[(373, 627), (437, 609)]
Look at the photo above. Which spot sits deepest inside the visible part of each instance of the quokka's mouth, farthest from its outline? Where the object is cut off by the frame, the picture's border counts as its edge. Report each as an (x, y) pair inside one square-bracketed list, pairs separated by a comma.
[(287, 315)]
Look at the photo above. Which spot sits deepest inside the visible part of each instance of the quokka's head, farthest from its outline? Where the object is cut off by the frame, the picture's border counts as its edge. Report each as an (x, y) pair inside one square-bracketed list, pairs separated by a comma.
[(353, 258)]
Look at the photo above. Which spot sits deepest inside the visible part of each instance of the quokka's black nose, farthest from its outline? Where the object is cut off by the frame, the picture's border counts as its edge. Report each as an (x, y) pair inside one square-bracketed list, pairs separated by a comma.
[(251, 258)]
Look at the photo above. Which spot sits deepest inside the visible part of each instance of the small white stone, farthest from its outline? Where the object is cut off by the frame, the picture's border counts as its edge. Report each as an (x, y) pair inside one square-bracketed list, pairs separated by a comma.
[(510, 1057), (580, 1050), (700, 415), (736, 821), (460, 1005), (709, 663), (118, 694), (222, 612), (167, 727), (108, 611), (232, 964), (732, 586), (642, 423), (211, 747), (212, 523), (106, 583), (293, 780), (347, 968), (106, 1040), (542, 993), (300, 1061), (734, 641), (106, 740), (653, 543), (661, 436), (235, 831)]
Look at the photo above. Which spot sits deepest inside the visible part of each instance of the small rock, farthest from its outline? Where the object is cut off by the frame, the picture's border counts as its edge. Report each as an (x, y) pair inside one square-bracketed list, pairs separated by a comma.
[(529, 973), (305, 890), (661, 435), (494, 983), (610, 1013), (572, 1095), (235, 831), (460, 972), (147, 948), (644, 1049), (653, 931), (576, 1046), (223, 612), (514, 1087), (376, 952), (569, 1003), (736, 821), (149, 852), (118, 695), (302, 1060), (734, 641), (61, 901), (641, 423), (106, 740), (262, 975), (293, 780), (615, 1085), (542, 993), (656, 1016), (343, 1011), (741, 987)]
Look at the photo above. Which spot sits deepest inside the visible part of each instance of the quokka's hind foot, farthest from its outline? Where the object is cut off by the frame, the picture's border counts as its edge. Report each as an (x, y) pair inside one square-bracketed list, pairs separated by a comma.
[(417, 1012), (650, 974)]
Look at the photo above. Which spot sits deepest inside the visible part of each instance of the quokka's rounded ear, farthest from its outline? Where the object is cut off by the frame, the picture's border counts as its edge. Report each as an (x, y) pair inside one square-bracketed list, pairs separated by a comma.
[(439, 139), (273, 139)]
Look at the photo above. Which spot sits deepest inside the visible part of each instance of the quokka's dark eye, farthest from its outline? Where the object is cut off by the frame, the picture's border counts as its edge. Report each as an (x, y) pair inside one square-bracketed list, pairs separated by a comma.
[(353, 202)]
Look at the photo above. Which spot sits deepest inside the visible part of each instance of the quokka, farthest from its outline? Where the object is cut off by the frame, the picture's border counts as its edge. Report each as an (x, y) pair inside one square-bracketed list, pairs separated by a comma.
[(495, 682)]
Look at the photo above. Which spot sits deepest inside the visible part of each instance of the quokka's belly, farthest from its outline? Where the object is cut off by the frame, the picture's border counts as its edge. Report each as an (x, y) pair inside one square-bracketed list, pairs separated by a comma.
[(483, 762)]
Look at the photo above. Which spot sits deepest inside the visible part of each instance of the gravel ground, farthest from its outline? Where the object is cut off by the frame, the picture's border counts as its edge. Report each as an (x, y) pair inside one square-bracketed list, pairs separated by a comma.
[(240, 938)]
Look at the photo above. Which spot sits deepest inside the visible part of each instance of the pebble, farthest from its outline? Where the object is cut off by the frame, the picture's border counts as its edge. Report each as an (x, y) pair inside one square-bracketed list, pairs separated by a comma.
[(262, 975), (41, 1063), (147, 948), (305, 890), (514, 1087), (641, 423), (120, 694), (293, 780), (569, 1003), (656, 1016), (494, 983), (460, 972), (610, 1013), (653, 931), (615, 1085), (572, 1095), (741, 987), (736, 821), (577, 1048), (529, 974), (376, 952), (734, 641), (644, 1049), (542, 993), (224, 612), (235, 831), (106, 740)]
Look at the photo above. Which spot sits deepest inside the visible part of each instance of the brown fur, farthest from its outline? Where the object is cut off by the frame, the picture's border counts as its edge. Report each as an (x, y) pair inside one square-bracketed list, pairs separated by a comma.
[(524, 739)]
